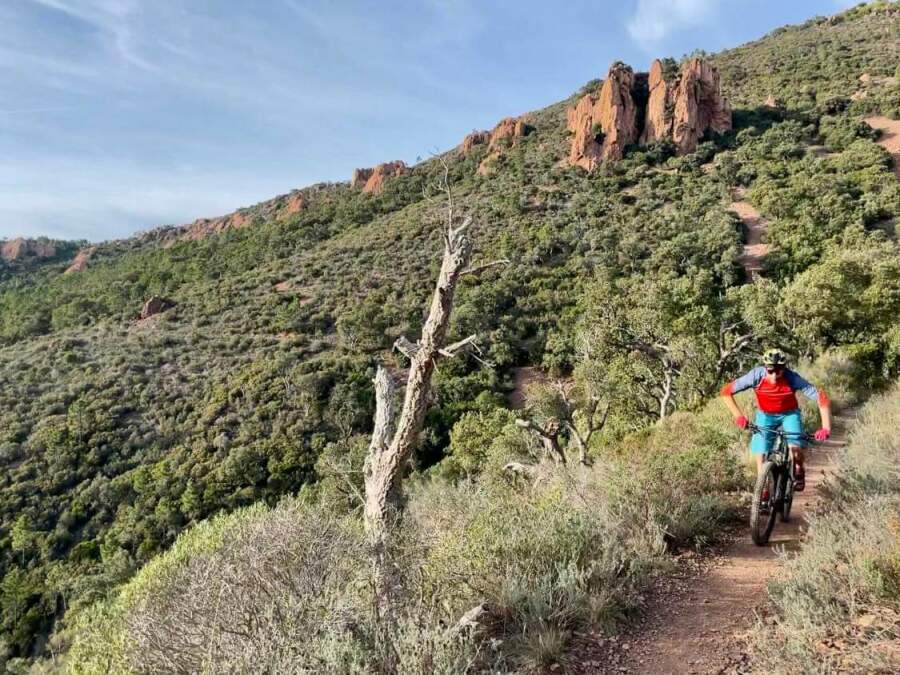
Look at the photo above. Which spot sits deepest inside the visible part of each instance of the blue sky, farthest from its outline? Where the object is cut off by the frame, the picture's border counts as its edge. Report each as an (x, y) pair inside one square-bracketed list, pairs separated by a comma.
[(120, 115)]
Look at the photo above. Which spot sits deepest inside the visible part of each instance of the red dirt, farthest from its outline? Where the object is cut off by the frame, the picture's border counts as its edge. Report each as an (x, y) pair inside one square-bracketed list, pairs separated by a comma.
[(890, 137), (522, 379), (754, 248)]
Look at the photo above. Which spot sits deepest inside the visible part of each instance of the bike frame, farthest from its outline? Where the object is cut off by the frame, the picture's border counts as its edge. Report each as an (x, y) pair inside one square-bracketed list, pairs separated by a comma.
[(780, 453)]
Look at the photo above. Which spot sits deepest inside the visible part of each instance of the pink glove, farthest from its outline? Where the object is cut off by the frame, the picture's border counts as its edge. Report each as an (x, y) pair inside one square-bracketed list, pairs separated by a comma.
[(822, 434), (741, 421)]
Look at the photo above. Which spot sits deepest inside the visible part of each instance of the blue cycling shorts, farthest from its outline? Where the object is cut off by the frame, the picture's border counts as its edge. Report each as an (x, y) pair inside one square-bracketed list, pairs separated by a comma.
[(789, 422)]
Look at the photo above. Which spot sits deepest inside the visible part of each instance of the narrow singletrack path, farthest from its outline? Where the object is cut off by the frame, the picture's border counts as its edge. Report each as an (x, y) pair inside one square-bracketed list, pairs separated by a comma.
[(889, 139), (701, 627), (755, 227)]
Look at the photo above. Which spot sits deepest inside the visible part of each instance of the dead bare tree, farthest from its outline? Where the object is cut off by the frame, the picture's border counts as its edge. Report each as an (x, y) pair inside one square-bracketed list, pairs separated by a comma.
[(576, 411), (548, 433), (392, 443), (583, 420)]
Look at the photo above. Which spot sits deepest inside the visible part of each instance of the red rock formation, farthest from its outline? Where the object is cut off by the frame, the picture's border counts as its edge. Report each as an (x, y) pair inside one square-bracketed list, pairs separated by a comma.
[(618, 114), (471, 140), (203, 227), (699, 105), (381, 174), (683, 110), (81, 260), (585, 151), (614, 114), (658, 117), (155, 305), (505, 134), (17, 249), (360, 176), (295, 204)]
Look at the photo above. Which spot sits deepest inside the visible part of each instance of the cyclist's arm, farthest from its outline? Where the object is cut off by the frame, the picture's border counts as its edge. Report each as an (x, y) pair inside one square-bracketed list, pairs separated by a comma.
[(746, 381), (798, 383)]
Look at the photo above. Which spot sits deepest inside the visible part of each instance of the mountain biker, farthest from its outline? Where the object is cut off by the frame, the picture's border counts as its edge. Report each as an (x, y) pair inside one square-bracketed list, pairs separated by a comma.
[(774, 385)]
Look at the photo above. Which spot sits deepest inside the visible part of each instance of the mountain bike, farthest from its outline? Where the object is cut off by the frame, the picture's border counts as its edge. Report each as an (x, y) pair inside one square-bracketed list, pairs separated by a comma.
[(775, 483)]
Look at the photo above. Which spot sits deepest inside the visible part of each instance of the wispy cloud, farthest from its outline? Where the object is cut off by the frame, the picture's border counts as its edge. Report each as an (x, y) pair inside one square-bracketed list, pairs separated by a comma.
[(654, 19), (111, 18)]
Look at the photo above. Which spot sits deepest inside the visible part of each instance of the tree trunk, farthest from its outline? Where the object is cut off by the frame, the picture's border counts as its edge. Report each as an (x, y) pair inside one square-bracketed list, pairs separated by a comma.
[(389, 452)]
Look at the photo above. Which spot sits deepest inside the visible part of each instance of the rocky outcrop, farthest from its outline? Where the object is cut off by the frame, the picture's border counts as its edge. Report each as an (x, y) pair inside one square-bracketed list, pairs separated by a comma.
[(658, 116), (360, 176), (372, 180), (604, 125), (155, 305), (584, 120), (507, 131), (640, 108), (618, 114), (203, 227), (295, 204), (472, 140), (699, 105), (504, 135), (16, 250), (81, 260)]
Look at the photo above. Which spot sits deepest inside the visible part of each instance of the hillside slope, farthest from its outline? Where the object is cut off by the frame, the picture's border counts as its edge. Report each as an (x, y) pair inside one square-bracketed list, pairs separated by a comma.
[(117, 433)]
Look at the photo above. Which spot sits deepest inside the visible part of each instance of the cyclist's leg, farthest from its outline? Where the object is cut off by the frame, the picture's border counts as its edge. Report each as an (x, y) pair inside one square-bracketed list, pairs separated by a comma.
[(762, 442), (793, 425)]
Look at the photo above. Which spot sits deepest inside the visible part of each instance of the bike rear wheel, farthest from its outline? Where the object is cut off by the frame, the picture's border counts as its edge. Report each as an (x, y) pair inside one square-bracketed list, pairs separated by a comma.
[(762, 513)]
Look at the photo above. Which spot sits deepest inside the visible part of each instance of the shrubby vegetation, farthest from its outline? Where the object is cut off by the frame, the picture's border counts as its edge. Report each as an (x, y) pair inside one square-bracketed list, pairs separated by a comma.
[(564, 553), (117, 435), (836, 608)]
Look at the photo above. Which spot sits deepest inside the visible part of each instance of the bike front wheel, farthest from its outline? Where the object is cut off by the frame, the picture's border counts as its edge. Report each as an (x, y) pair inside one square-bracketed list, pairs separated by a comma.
[(787, 498), (763, 512)]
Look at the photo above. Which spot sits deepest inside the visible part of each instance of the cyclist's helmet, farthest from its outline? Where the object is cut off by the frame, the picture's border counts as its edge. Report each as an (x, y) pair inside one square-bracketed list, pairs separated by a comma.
[(774, 357)]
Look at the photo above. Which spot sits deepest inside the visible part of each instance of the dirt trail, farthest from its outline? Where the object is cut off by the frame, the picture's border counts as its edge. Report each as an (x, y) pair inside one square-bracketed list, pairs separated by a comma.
[(754, 248), (890, 137), (700, 626)]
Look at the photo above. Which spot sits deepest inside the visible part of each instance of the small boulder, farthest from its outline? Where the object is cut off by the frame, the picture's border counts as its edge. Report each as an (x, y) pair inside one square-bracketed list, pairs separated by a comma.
[(155, 305)]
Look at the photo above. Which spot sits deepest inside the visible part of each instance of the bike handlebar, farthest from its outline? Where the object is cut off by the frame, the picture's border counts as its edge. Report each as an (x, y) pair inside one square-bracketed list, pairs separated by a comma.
[(780, 432)]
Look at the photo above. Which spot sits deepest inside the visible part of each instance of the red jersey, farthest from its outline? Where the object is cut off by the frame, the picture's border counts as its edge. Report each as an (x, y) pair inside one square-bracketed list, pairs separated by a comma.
[(778, 396)]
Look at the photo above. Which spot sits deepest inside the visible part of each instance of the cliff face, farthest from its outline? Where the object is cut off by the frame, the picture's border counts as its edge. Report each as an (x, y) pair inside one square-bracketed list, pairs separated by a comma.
[(505, 134), (658, 118), (472, 140), (584, 151), (19, 249), (699, 105), (642, 108), (372, 180), (81, 260), (617, 112)]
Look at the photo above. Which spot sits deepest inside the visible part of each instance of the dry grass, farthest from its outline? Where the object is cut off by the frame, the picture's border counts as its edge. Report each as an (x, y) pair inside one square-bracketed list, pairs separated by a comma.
[(837, 608)]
